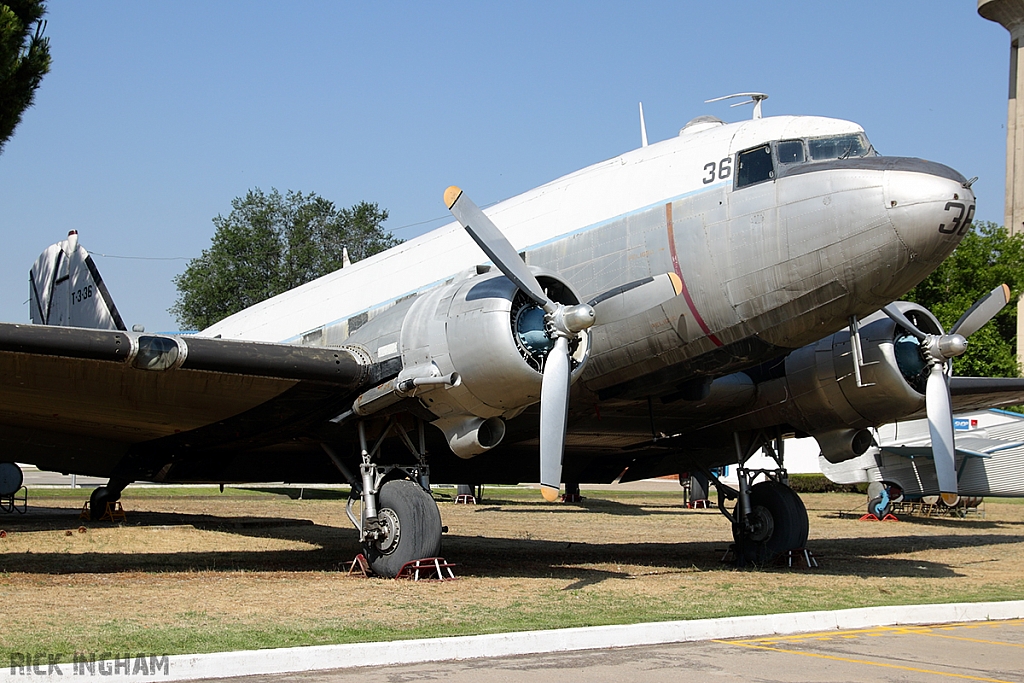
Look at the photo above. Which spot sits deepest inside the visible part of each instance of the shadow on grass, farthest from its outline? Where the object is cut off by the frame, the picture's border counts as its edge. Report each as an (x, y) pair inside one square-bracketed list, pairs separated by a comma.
[(333, 548)]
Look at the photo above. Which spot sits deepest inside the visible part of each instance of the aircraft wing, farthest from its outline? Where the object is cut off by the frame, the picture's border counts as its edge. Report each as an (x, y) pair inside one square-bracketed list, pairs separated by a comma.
[(75, 399), (978, 393)]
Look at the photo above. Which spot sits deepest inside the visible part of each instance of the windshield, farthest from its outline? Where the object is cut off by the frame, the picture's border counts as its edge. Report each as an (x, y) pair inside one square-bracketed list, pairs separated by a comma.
[(839, 147)]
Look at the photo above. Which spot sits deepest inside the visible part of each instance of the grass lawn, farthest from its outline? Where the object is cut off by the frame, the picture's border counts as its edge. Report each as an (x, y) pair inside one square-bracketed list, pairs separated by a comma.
[(196, 570)]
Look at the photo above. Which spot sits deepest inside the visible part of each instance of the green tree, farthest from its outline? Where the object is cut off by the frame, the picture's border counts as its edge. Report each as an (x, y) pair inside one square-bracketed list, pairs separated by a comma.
[(271, 243), (24, 60), (987, 257)]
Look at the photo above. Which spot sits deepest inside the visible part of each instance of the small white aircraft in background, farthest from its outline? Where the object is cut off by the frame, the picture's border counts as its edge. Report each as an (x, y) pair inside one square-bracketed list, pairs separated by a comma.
[(672, 309), (989, 460)]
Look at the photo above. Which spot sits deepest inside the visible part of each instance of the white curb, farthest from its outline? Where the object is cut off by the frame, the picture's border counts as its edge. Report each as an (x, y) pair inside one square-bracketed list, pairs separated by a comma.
[(323, 657)]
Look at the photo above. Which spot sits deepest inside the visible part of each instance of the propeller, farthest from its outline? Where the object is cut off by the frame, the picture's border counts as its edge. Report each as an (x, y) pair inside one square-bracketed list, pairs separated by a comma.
[(938, 350), (561, 322)]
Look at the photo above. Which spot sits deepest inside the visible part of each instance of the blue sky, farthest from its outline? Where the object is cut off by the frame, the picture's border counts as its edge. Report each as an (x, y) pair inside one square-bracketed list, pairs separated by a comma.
[(156, 115)]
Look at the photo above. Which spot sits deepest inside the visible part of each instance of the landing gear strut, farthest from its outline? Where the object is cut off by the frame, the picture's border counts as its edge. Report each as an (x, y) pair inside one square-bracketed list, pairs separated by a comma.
[(769, 518), (399, 521)]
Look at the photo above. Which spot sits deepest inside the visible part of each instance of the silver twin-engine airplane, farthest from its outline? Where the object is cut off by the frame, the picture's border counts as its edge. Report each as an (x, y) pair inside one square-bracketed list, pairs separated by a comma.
[(670, 310)]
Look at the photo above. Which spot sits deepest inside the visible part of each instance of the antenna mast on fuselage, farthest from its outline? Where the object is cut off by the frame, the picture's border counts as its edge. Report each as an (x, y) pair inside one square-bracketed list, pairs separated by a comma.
[(756, 98), (643, 127)]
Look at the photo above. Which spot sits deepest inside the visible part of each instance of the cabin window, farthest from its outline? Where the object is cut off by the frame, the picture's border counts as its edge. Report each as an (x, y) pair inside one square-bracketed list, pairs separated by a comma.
[(790, 151), (839, 147), (754, 166)]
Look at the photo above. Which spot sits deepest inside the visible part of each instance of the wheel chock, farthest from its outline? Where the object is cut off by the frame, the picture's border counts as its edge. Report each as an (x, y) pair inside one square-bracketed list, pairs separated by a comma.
[(699, 504), (890, 518), (572, 498), (85, 514), (465, 499), (362, 565), (429, 568), (868, 518), (113, 513)]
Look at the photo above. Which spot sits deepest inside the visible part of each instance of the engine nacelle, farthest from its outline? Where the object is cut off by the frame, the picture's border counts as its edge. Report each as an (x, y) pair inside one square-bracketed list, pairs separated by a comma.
[(823, 397), (840, 445), (492, 335)]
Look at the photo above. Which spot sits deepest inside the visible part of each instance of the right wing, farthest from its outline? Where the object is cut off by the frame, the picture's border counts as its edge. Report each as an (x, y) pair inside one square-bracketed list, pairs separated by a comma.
[(76, 400)]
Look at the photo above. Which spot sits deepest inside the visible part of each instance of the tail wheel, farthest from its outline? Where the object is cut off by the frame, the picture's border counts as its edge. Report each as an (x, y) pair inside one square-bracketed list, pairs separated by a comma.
[(880, 506), (411, 523), (98, 500), (777, 523)]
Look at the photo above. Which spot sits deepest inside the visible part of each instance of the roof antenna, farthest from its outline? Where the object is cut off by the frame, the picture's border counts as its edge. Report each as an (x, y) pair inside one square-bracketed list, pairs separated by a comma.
[(755, 97), (643, 127)]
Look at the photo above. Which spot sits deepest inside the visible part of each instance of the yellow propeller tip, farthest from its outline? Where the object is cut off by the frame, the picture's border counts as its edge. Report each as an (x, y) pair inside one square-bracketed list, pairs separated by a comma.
[(550, 494), (1006, 292), (451, 195)]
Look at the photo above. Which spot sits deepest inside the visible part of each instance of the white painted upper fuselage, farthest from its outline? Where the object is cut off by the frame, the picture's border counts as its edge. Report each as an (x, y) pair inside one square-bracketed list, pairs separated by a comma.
[(645, 177)]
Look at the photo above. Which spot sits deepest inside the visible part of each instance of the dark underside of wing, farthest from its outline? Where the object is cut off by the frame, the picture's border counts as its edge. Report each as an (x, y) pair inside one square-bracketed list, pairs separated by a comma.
[(978, 393), (79, 400)]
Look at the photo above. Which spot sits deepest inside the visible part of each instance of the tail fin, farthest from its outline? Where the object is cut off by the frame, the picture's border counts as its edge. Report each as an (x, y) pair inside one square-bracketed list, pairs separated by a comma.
[(65, 288)]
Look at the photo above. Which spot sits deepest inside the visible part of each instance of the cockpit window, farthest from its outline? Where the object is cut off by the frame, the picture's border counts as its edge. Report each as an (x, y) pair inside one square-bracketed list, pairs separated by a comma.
[(755, 166), (790, 151), (839, 147)]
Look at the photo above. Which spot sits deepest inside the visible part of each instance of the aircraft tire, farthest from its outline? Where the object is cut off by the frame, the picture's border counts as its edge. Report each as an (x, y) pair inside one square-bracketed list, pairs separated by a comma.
[(803, 524), (413, 523), (873, 504), (780, 524)]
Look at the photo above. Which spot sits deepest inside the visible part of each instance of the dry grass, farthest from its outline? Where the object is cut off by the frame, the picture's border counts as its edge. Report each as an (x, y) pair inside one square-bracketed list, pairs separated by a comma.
[(212, 572)]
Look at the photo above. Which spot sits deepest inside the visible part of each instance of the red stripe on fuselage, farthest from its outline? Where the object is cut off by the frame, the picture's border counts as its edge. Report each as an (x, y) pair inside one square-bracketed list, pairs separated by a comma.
[(686, 292)]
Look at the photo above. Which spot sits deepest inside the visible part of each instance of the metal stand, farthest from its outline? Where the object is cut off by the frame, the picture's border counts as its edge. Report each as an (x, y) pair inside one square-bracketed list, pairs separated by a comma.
[(426, 569), (16, 502)]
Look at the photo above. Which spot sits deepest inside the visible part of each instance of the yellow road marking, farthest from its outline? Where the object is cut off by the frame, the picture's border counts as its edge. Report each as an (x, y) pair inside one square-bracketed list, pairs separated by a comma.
[(864, 661), (875, 631), (974, 640)]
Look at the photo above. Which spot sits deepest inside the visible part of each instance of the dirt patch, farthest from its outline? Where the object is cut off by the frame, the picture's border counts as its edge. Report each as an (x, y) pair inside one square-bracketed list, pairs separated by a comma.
[(272, 569)]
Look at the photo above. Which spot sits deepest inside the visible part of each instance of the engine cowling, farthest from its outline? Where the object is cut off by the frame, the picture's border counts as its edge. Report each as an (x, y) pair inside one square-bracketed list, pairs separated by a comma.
[(493, 336), (824, 398)]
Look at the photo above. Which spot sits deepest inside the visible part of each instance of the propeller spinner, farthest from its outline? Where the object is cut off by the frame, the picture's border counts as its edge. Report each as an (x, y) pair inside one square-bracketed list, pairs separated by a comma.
[(561, 322), (937, 351)]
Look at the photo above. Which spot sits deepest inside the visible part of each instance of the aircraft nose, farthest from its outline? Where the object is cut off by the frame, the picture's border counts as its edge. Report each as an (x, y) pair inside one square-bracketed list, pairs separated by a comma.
[(931, 207)]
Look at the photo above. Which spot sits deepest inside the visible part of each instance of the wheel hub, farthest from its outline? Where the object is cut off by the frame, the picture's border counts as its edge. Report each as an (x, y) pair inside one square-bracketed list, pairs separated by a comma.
[(760, 525), (390, 531)]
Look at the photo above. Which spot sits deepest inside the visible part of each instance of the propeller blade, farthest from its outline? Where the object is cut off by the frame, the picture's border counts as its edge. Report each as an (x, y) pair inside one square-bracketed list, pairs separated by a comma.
[(487, 235), (940, 425), (983, 310), (903, 321), (634, 297), (554, 412)]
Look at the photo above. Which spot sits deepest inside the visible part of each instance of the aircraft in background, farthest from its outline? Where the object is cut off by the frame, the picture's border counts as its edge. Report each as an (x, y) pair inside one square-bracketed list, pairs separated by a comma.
[(989, 460), (672, 309)]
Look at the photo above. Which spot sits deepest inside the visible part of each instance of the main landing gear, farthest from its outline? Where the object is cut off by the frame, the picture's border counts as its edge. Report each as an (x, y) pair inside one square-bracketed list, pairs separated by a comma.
[(769, 518), (399, 521)]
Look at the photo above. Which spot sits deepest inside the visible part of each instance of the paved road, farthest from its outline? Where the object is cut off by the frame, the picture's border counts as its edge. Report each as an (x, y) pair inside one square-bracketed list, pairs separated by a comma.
[(982, 651)]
